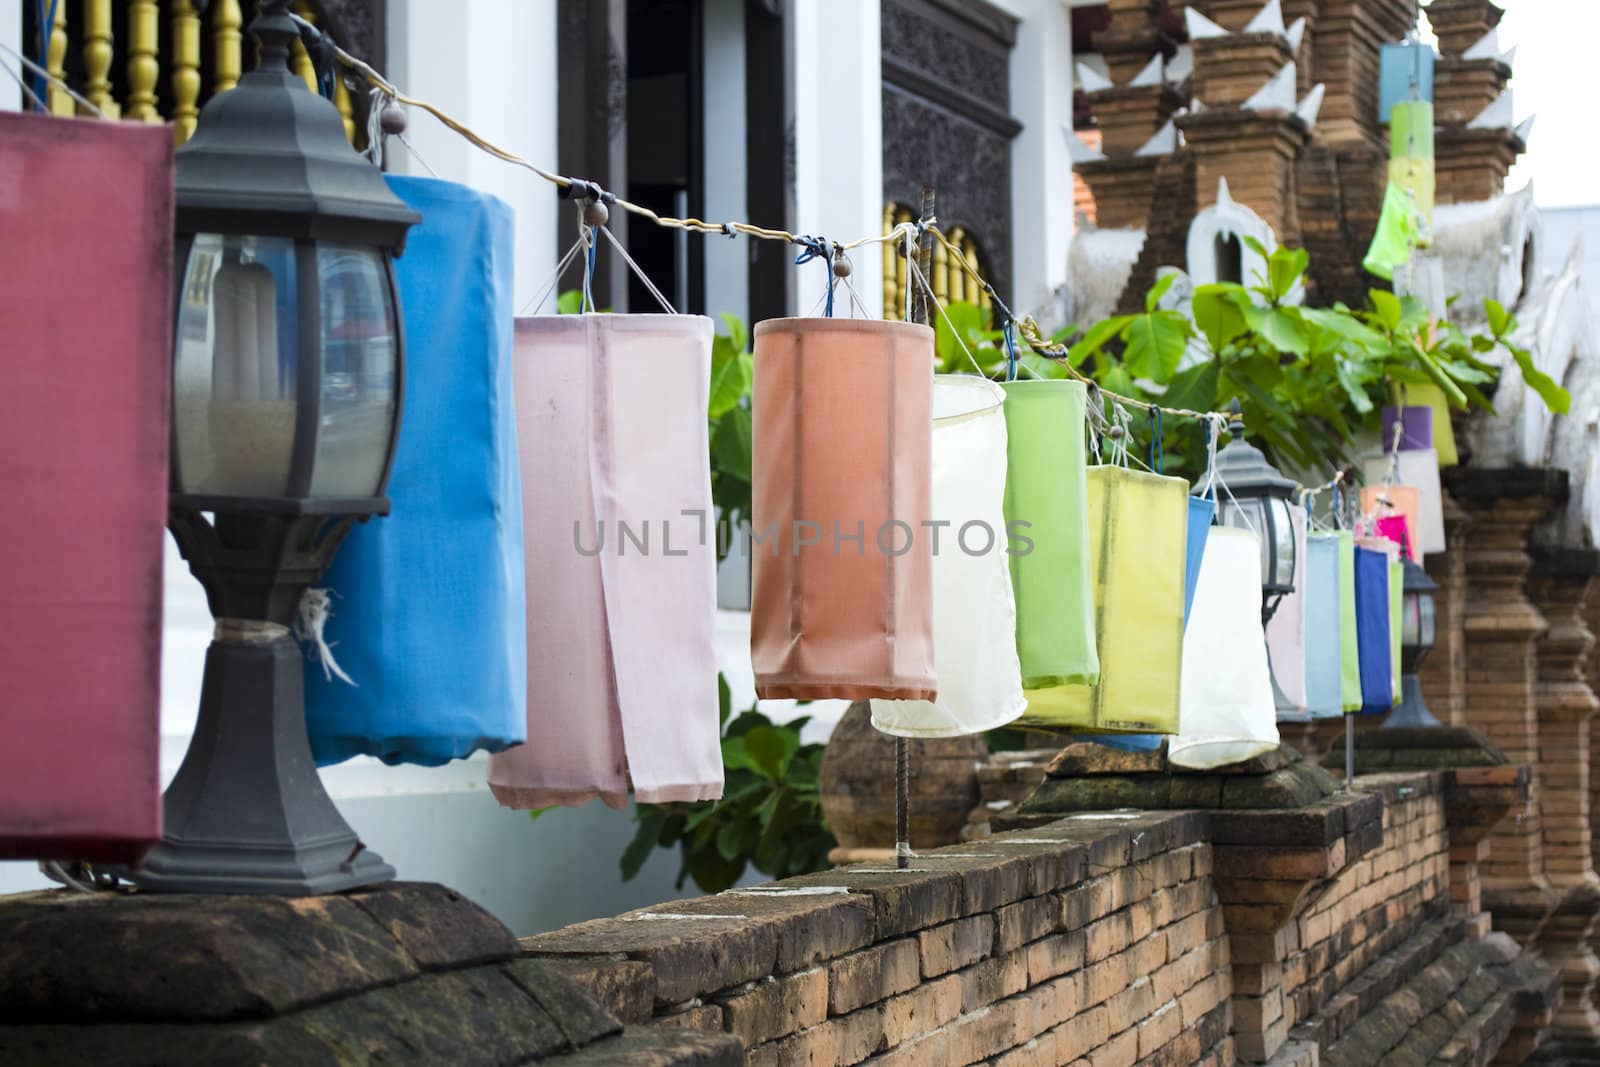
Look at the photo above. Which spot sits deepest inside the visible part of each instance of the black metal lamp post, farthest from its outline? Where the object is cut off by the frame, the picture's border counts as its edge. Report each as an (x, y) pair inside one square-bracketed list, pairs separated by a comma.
[(1258, 497), (1417, 636), (287, 372)]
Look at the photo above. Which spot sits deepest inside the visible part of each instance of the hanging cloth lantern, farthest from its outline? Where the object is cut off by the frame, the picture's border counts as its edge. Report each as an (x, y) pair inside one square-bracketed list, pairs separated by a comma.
[(1397, 501), (1416, 469), (1228, 710), (1349, 635), (1047, 503), (975, 618), (87, 227), (1373, 611), (1442, 432), (1325, 639), (1397, 582), (1414, 423), (1138, 534), (428, 617), (621, 582), (842, 586), (1286, 633), (1202, 510)]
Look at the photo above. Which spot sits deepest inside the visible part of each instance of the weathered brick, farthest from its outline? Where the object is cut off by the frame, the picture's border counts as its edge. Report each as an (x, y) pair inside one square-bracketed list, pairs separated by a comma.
[(951, 946), (1163, 1025), (1025, 921), (1107, 936), (1078, 1036), (872, 974), (697, 1017), (1120, 1051), (777, 1006), (921, 1011), (993, 979), (1134, 1001), (1054, 956)]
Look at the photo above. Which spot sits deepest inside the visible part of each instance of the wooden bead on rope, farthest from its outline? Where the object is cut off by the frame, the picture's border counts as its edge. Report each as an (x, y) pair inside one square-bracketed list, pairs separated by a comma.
[(393, 120), (595, 214)]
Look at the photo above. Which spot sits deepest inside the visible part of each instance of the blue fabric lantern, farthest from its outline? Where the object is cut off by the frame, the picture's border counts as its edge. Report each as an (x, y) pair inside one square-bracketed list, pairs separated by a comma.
[(1405, 73), (428, 604), (1372, 630), (1324, 627), (1202, 510)]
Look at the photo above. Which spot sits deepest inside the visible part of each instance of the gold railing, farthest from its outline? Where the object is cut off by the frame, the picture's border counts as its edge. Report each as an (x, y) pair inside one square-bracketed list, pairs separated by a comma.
[(946, 278), (84, 55)]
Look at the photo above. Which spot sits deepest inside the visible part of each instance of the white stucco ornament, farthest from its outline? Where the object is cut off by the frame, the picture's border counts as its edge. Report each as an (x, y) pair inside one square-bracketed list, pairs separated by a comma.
[(1091, 80), (1200, 27), (1150, 75), (1277, 94), (1163, 143), (1079, 150), (1268, 20), (1309, 108), (1227, 218)]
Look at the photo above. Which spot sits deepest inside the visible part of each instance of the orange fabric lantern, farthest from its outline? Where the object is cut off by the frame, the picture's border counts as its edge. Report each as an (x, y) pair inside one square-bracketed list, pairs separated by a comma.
[(842, 598)]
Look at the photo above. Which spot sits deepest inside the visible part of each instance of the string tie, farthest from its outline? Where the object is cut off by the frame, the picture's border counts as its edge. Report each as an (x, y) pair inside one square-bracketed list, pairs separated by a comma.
[(818, 248), (1158, 447), (310, 620), (1008, 331)]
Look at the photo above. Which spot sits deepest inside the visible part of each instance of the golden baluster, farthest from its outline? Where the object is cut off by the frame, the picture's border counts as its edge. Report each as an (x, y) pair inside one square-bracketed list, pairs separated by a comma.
[(185, 68), (940, 282), (891, 294), (143, 68), (975, 293), (302, 60), (226, 43), (341, 100), (97, 53), (60, 102)]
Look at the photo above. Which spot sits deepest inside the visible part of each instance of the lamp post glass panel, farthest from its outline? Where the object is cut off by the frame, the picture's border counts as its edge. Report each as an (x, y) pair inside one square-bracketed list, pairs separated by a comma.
[(287, 384), (1257, 497), (1417, 636)]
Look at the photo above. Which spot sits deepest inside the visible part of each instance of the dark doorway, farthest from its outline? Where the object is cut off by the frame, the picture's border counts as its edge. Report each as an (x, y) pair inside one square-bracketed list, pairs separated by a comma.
[(666, 148), (1229, 253)]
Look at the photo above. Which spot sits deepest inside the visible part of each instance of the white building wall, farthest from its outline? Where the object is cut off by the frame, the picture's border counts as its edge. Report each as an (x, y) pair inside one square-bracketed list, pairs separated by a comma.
[(727, 260), (491, 64), (836, 70), (10, 37), (1041, 172)]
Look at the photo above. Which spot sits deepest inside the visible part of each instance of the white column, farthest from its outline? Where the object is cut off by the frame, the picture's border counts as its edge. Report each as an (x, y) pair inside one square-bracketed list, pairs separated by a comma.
[(727, 260), (490, 64), (835, 63), (1041, 172), (10, 37)]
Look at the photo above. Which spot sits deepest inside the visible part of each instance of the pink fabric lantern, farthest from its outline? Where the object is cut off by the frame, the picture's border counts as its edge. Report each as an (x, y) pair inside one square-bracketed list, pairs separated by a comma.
[(621, 565), (1400, 501), (83, 472)]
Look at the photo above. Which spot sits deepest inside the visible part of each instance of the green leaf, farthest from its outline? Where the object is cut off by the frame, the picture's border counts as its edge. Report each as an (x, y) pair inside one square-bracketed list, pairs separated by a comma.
[(1217, 313), (1281, 328), (770, 749), (534, 813), (1387, 307), (1284, 268), (1499, 319), (1255, 246), (732, 372), (1155, 341), (1096, 337), (644, 841), (569, 303), (731, 449), (724, 700), (1555, 398), (1195, 388), (1358, 396), (1153, 298), (735, 839), (711, 872), (738, 333), (1452, 391), (961, 323)]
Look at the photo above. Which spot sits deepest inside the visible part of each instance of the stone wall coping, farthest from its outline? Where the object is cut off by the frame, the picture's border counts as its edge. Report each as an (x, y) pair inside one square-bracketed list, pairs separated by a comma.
[(1494, 483)]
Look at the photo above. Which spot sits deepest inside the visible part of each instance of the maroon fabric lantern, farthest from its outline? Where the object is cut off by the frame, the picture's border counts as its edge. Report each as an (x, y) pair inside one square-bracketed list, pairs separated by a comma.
[(86, 224)]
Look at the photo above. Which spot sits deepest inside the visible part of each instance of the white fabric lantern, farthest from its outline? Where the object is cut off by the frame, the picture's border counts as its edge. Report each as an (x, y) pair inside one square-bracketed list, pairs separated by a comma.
[(974, 613), (1227, 712)]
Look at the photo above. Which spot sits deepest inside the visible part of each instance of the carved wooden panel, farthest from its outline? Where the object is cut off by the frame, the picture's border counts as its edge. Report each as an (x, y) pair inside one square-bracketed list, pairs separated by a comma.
[(947, 119)]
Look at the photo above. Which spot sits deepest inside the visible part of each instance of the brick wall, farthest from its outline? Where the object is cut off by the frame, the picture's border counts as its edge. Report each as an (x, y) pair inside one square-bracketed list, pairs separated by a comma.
[(1099, 940), (1093, 941)]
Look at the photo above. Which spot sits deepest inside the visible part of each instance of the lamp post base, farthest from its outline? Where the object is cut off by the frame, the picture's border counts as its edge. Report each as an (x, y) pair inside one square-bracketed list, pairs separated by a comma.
[(247, 812)]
